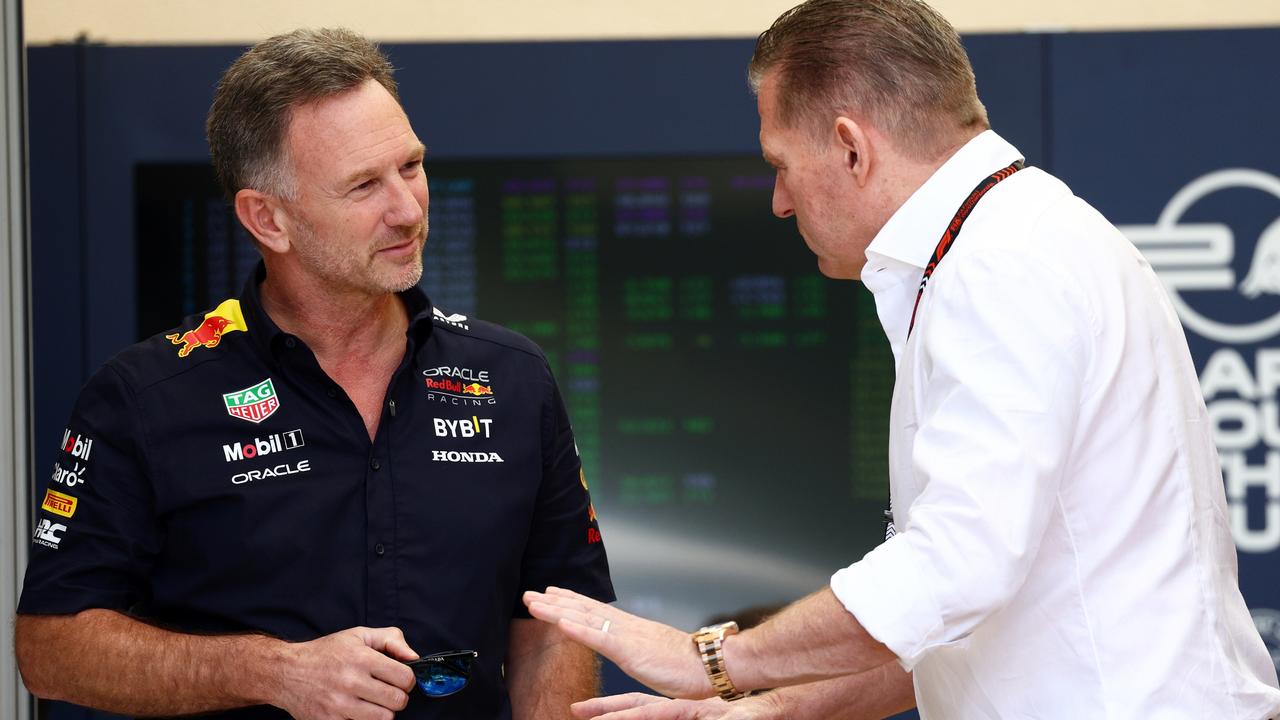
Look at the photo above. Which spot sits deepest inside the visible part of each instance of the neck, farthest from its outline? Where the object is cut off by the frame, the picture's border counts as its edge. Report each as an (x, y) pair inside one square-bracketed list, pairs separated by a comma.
[(915, 173), (337, 326)]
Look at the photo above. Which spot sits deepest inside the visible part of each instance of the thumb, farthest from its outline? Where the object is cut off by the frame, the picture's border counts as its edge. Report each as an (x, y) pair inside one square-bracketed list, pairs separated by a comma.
[(390, 640)]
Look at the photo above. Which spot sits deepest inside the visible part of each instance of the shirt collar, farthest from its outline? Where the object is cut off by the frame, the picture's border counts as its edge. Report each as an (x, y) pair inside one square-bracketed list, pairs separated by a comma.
[(899, 252), (268, 336), (913, 231)]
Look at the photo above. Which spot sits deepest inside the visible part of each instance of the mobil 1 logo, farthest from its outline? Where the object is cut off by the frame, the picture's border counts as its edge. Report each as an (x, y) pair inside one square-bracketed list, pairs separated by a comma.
[(261, 446)]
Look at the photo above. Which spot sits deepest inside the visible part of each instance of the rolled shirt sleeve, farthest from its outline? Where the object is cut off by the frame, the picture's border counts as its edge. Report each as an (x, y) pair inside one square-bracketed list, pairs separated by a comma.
[(993, 396)]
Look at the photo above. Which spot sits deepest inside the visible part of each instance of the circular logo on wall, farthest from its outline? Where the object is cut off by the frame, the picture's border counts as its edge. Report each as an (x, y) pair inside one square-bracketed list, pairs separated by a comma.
[(1215, 272), (1268, 623)]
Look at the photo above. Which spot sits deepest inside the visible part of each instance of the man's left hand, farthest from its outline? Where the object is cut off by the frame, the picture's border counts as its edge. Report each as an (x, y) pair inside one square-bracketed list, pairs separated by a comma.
[(657, 655)]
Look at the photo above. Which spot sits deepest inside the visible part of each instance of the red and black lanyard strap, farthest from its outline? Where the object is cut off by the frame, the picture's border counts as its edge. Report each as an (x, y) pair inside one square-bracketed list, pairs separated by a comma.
[(944, 246), (953, 231)]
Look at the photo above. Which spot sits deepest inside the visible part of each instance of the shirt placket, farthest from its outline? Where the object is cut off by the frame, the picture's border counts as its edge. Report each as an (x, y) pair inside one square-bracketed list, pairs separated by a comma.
[(380, 539), (380, 503)]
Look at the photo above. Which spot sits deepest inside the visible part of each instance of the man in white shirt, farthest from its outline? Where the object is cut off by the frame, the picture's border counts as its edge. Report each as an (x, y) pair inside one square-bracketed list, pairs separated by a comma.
[(1062, 546)]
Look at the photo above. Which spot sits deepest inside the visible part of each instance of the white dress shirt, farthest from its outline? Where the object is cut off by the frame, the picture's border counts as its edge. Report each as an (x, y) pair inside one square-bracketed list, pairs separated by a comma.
[(1063, 546)]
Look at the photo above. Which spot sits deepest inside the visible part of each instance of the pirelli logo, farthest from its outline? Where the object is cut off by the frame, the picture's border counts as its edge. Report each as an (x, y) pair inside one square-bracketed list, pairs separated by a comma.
[(59, 504)]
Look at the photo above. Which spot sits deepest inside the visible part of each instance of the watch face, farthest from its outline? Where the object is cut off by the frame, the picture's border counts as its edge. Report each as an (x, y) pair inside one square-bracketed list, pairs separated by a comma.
[(724, 628), (715, 632)]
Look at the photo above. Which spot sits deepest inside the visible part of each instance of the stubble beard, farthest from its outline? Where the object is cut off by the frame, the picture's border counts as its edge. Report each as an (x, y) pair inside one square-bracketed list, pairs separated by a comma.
[(365, 273)]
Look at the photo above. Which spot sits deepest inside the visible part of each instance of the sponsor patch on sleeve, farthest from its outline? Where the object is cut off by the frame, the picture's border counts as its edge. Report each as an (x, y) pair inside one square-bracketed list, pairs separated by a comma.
[(59, 504)]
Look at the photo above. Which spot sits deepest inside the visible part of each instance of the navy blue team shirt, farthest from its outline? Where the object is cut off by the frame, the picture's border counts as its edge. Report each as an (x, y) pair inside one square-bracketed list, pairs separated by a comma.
[(215, 480)]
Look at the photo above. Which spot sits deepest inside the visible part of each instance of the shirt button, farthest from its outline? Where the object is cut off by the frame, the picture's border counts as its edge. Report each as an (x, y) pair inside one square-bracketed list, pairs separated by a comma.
[(332, 392), (375, 464), (290, 343), (379, 549)]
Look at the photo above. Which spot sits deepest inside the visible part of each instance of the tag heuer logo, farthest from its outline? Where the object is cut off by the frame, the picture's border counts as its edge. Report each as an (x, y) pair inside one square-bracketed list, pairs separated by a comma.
[(254, 404)]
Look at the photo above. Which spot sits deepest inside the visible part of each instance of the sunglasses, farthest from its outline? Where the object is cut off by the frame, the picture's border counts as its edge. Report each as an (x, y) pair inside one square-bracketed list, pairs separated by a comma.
[(444, 673)]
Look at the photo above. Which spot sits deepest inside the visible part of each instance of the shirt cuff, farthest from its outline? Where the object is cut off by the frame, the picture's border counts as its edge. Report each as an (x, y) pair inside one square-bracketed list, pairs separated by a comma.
[(884, 592)]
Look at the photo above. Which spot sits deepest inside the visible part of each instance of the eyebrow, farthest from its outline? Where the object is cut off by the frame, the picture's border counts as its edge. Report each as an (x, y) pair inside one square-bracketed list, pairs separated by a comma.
[(418, 153)]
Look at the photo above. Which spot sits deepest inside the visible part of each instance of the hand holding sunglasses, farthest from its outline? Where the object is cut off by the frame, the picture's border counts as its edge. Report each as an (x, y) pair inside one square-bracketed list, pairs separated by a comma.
[(443, 674)]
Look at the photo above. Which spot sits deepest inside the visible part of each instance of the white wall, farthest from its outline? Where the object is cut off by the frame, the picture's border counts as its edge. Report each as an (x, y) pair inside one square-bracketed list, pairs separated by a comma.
[(244, 21)]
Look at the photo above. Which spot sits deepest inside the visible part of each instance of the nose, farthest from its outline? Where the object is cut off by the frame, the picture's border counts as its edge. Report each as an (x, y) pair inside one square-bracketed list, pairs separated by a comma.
[(782, 205), (407, 201)]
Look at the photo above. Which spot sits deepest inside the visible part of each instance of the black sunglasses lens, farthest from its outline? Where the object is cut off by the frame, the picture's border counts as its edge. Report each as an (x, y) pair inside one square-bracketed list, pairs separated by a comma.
[(439, 677)]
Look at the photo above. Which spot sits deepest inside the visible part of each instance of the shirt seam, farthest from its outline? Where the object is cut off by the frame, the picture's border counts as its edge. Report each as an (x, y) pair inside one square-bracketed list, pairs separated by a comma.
[(142, 449), (491, 341), (1084, 606), (165, 376), (1187, 502)]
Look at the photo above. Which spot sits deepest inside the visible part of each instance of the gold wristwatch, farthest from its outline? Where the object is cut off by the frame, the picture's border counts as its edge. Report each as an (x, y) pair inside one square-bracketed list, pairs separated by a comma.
[(710, 641)]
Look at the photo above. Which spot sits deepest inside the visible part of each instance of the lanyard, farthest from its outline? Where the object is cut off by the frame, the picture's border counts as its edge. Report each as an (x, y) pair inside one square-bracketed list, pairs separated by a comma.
[(944, 246), (953, 231)]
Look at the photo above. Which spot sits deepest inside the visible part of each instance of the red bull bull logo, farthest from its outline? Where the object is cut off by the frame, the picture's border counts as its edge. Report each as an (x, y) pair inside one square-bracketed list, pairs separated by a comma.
[(477, 389), (221, 320)]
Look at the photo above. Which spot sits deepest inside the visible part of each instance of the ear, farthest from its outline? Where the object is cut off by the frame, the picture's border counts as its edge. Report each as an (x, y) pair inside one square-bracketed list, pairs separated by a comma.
[(264, 218), (855, 145)]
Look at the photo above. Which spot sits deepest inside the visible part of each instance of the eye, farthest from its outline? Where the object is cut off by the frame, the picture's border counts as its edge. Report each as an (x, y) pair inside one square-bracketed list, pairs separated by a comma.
[(367, 184)]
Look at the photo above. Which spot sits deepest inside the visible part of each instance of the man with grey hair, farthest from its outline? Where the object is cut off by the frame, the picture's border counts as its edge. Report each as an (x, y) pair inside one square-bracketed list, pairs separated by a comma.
[(274, 509), (1059, 545)]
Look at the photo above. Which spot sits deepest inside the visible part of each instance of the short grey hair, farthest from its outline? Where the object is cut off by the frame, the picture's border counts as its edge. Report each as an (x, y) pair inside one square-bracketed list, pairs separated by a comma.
[(255, 98)]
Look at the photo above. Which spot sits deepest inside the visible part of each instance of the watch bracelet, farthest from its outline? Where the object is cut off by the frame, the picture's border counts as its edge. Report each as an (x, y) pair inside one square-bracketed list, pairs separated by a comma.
[(712, 654)]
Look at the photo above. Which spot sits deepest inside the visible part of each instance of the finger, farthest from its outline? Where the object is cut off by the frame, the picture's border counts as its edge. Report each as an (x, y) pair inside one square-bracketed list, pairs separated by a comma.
[(392, 672), (663, 709), (571, 601), (552, 614), (389, 640), (599, 706), (368, 711), (594, 638), (569, 598), (379, 693)]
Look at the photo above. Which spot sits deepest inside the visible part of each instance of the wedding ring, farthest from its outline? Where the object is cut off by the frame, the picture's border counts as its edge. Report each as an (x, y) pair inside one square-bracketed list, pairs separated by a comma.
[(605, 627)]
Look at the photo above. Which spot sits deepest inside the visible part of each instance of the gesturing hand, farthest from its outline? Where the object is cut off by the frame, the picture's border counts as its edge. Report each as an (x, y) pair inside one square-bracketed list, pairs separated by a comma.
[(638, 706), (657, 655), (353, 674)]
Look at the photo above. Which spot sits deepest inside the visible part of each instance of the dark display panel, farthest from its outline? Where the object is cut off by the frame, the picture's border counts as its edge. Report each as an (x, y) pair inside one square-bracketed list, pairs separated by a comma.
[(720, 388)]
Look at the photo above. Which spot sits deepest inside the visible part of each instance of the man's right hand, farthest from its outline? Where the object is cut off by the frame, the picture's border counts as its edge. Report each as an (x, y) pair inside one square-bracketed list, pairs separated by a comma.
[(353, 674), (639, 706), (107, 660)]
